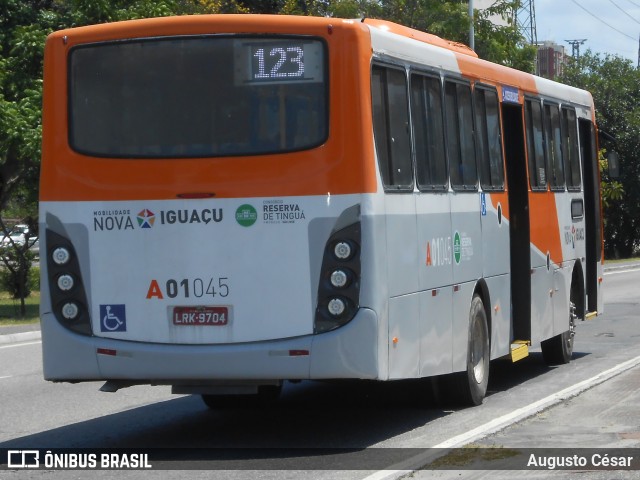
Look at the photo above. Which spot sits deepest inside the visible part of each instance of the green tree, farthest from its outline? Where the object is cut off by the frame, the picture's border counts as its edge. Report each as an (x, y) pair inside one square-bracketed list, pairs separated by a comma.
[(503, 44), (24, 27), (448, 19), (615, 85)]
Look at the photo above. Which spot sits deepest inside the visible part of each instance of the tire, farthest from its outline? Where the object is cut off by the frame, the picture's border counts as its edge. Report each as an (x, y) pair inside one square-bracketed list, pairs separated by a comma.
[(470, 387), (267, 395), (558, 350)]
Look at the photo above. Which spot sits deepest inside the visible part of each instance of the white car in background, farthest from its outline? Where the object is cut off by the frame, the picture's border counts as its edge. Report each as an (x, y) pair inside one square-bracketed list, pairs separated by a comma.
[(19, 235)]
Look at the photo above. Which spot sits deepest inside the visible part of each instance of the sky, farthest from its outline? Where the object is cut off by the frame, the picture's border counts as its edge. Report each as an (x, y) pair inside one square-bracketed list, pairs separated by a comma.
[(609, 26)]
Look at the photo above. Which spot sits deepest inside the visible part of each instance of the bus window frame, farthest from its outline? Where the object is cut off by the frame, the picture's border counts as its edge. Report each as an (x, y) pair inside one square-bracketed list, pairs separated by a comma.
[(459, 82), (531, 166), (489, 187), (383, 63), (571, 186), (249, 36), (432, 75), (547, 121)]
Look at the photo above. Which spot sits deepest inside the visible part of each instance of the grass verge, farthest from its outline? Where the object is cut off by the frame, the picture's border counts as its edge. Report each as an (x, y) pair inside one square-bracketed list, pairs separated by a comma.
[(10, 309)]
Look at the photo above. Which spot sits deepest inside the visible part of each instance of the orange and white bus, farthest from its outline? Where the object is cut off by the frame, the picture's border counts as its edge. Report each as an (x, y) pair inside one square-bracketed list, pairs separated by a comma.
[(229, 202)]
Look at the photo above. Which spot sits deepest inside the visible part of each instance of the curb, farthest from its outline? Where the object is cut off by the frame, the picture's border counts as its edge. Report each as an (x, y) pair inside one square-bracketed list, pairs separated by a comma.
[(626, 266), (415, 463), (20, 337)]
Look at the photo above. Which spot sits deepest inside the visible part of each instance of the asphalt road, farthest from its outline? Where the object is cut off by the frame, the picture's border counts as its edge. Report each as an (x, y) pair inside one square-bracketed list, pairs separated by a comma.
[(525, 408)]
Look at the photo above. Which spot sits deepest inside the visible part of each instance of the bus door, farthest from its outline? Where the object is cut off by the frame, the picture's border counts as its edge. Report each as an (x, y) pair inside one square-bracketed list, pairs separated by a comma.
[(593, 226), (519, 229)]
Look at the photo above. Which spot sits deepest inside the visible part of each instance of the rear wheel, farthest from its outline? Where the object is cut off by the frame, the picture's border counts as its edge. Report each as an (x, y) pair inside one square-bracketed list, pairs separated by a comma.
[(559, 349), (470, 387)]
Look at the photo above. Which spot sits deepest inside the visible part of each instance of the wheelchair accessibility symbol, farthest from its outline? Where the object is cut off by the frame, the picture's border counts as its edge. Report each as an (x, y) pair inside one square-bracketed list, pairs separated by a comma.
[(113, 318)]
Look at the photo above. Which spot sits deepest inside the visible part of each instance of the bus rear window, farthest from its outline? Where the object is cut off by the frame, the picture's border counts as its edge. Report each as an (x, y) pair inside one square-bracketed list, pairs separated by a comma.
[(198, 96)]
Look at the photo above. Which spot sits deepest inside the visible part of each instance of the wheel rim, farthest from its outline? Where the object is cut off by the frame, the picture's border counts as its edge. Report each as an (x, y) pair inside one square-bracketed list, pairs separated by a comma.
[(572, 327), (478, 351)]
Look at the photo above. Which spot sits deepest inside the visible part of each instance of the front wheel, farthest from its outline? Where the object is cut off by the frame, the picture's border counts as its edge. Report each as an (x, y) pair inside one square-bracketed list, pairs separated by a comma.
[(470, 387)]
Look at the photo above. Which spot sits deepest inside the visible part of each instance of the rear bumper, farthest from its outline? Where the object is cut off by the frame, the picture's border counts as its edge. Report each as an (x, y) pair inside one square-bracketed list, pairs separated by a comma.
[(348, 352)]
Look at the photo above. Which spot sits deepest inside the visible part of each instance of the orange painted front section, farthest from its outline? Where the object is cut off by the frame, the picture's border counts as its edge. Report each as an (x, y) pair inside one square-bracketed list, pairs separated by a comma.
[(343, 165)]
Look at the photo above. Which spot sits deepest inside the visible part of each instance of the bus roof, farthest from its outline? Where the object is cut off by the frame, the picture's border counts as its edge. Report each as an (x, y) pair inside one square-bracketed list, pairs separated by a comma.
[(420, 36), (466, 59)]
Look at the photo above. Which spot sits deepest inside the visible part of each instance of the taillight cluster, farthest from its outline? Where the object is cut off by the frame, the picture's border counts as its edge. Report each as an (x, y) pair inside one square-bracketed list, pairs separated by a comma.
[(339, 288), (68, 297)]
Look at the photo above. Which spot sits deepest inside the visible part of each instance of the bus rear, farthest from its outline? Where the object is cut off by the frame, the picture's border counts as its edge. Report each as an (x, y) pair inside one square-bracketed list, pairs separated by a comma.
[(202, 187)]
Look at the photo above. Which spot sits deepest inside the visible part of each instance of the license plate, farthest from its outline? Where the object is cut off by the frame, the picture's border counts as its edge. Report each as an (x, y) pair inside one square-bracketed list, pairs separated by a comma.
[(200, 316)]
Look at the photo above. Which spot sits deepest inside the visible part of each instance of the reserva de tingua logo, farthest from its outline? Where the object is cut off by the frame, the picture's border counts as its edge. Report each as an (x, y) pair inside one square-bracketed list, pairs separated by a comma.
[(246, 215)]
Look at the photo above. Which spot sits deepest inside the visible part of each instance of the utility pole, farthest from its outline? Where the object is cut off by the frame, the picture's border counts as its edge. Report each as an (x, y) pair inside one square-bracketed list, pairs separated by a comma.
[(575, 47), (525, 20), (472, 34)]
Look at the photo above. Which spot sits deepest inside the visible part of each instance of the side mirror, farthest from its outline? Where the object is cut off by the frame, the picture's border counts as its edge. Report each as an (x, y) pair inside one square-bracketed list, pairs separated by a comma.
[(614, 164)]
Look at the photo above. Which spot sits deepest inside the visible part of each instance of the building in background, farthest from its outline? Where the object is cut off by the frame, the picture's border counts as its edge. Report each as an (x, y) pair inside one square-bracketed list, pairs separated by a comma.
[(551, 59)]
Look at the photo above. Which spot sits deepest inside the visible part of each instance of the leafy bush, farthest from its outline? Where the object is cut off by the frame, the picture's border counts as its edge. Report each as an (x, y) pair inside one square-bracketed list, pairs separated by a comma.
[(17, 277)]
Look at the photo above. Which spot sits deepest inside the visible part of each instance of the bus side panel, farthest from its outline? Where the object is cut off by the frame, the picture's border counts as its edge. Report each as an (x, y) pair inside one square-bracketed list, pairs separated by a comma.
[(374, 287), (542, 281), (496, 264), (571, 212), (467, 268), (466, 237), (402, 268), (435, 253), (560, 297), (462, 296), (495, 234), (404, 339), (435, 331), (546, 255), (501, 329), (402, 248)]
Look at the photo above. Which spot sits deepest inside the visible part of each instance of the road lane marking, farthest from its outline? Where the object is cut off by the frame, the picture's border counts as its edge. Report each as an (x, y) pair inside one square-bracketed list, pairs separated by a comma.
[(13, 345), (6, 376), (432, 453), (621, 271)]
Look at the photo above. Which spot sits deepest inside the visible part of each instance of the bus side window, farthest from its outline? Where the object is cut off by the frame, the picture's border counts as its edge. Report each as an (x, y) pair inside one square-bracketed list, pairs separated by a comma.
[(570, 149), (391, 127), (554, 146), (535, 145), (488, 139), (460, 143), (428, 131)]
